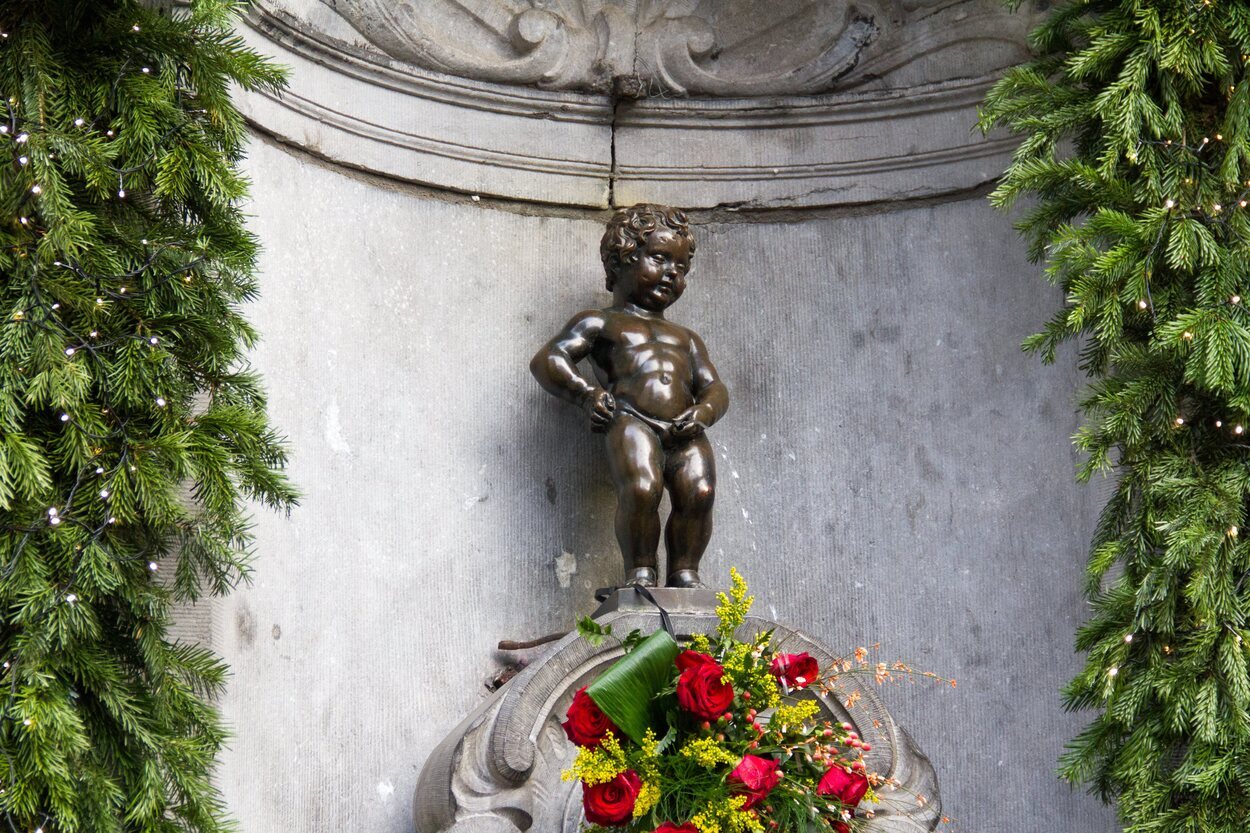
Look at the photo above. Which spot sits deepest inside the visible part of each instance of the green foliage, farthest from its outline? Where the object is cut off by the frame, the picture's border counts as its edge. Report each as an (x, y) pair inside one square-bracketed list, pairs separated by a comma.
[(1135, 118), (131, 431), (593, 632)]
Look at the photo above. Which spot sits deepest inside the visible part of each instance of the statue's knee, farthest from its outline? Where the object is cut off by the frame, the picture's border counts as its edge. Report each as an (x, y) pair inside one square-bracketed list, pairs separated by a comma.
[(701, 495), (644, 493)]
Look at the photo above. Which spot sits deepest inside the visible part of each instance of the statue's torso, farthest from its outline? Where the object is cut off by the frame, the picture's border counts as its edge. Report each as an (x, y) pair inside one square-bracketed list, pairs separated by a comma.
[(645, 362)]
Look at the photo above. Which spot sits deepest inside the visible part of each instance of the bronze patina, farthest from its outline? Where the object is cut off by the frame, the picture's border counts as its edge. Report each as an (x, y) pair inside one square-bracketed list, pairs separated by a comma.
[(655, 392)]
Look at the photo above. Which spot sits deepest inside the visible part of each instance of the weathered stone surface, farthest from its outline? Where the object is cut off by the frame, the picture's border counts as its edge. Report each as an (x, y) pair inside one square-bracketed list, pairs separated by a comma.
[(893, 469), (501, 767)]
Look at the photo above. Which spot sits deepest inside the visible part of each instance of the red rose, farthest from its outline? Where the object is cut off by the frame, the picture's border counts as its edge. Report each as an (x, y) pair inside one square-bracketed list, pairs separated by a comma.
[(701, 689), (795, 670), (755, 778), (847, 787), (612, 804), (841, 827), (669, 827), (587, 724)]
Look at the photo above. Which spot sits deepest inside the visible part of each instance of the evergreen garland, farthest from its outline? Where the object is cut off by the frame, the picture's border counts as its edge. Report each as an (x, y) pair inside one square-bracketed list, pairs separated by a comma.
[(131, 431), (1136, 160)]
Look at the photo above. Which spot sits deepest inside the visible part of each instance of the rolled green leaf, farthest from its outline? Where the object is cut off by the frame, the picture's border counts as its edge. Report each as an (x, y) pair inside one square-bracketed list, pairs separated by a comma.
[(626, 691)]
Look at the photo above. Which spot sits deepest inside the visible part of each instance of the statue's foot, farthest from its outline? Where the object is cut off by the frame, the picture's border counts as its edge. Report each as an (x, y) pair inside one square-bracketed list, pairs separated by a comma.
[(646, 576), (685, 578)]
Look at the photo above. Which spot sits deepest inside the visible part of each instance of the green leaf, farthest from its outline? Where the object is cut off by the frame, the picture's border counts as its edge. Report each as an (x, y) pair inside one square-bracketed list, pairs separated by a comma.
[(626, 691), (591, 631)]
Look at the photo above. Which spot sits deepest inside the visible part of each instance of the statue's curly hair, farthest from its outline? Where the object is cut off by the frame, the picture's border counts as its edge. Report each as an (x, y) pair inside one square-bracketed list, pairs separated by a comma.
[(628, 229)]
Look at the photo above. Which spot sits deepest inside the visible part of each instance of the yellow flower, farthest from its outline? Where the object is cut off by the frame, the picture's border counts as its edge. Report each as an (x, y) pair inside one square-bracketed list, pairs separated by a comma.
[(597, 766), (648, 796), (727, 817), (707, 753), (733, 608), (796, 714)]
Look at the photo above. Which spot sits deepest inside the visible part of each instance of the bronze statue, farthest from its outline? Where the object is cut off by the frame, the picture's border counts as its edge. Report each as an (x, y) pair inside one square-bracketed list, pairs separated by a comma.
[(657, 392)]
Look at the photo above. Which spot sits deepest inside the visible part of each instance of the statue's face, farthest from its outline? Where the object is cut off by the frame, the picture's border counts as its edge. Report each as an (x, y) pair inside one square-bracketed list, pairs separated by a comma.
[(656, 276)]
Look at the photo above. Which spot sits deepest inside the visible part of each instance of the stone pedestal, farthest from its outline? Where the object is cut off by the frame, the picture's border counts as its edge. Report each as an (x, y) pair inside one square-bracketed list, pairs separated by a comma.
[(499, 770)]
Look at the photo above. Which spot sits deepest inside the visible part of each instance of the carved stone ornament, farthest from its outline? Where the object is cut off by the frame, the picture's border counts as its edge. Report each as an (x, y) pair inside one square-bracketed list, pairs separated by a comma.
[(499, 770), (685, 47), (696, 103)]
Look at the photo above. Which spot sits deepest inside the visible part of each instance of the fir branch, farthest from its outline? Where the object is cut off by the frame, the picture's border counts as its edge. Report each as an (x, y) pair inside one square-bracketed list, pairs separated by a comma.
[(1136, 154), (132, 434)]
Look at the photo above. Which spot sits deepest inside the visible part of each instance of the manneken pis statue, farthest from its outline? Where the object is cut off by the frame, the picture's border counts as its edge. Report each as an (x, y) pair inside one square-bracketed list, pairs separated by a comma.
[(654, 393)]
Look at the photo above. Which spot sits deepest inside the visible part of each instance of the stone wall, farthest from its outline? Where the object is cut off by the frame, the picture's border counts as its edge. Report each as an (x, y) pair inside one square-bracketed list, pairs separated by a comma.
[(892, 468)]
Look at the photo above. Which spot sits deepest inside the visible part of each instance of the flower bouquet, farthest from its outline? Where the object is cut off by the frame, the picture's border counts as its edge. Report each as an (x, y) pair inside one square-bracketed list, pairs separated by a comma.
[(718, 736)]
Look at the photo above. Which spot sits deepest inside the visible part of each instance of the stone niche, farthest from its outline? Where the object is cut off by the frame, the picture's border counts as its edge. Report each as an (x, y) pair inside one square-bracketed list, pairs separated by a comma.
[(697, 103), (499, 770)]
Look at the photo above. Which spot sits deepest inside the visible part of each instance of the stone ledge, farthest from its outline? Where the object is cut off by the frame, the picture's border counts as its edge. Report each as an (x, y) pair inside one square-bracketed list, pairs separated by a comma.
[(365, 111)]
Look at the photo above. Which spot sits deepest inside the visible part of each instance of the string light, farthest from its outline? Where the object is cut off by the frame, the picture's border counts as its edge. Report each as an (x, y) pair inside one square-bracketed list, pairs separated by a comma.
[(1180, 420), (71, 598), (1233, 532), (1170, 204), (79, 122), (153, 566), (1128, 637), (1142, 304), (1113, 671), (160, 402), (69, 351), (1236, 299), (1187, 335)]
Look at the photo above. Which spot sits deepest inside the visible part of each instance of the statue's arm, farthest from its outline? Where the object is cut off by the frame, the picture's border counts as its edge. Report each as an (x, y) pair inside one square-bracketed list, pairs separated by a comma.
[(555, 363), (710, 391)]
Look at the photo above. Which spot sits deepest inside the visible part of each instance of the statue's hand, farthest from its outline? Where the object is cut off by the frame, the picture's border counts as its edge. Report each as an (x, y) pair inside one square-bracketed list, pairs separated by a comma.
[(601, 406), (692, 422)]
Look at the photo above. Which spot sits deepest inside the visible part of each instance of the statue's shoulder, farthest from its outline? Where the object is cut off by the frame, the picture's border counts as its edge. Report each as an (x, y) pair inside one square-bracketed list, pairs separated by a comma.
[(588, 321)]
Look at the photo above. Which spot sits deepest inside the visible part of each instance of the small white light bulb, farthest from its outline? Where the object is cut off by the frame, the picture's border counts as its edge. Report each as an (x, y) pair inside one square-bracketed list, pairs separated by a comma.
[(36, 189), (154, 341), (1112, 671), (1170, 204), (64, 417), (79, 122), (69, 351), (160, 402), (147, 70), (53, 511), (121, 193), (153, 566), (1128, 637), (99, 469), (104, 493), (22, 160), (55, 520), (1142, 304), (71, 598)]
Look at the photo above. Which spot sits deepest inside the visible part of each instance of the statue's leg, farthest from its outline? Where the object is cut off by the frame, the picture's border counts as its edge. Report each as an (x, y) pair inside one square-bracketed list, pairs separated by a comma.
[(690, 473), (635, 461)]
